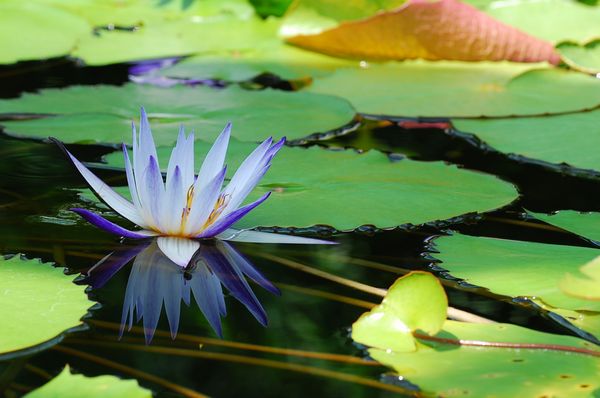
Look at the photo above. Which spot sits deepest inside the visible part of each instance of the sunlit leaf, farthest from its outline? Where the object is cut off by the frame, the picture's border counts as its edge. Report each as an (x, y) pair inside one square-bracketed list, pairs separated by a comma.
[(520, 269), (552, 20), (469, 359), (586, 283), (105, 113), (585, 58), (571, 138), (450, 370), (69, 385), (314, 16), (308, 188), (414, 302), (444, 88), (429, 30), (38, 304), (34, 31)]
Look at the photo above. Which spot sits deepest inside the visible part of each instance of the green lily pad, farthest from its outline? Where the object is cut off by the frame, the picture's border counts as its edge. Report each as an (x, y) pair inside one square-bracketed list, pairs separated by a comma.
[(287, 62), (585, 284), (515, 269), (175, 38), (447, 370), (308, 188), (69, 385), (34, 31), (456, 89), (470, 359), (104, 113), (584, 224), (314, 16), (552, 20), (38, 304), (585, 58), (570, 138), (414, 302)]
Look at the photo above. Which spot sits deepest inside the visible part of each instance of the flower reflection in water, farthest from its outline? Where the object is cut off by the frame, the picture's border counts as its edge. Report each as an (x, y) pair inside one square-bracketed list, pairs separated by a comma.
[(155, 281)]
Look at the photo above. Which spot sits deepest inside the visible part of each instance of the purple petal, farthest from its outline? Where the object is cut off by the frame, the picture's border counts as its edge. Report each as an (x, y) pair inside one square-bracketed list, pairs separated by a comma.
[(99, 274), (247, 268), (226, 221), (213, 163), (208, 295), (234, 281), (106, 193), (108, 226)]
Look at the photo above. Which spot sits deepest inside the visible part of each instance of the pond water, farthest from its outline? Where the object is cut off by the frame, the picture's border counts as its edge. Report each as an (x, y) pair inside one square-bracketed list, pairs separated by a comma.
[(306, 349)]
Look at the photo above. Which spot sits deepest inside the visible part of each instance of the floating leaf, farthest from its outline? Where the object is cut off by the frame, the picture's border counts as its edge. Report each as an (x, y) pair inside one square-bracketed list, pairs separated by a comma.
[(520, 269), (585, 58), (308, 188), (448, 370), (285, 61), (104, 113), (429, 30), (38, 304), (174, 39), (467, 358), (314, 16), (584, 224), (444, 88), (571, 138), (414, 302), (552, 20), (585, 285), (69, 385), (35, 31)]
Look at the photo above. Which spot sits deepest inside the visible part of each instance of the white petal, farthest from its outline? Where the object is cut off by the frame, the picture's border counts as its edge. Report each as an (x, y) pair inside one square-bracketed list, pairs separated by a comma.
[(213, 163), (174, 201), (246, 235), (112, 199), (182, 156), (152, 195), (178, 250)]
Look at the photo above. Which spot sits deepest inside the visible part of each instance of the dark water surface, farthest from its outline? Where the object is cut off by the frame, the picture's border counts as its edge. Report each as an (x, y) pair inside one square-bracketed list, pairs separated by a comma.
[(306, 349)]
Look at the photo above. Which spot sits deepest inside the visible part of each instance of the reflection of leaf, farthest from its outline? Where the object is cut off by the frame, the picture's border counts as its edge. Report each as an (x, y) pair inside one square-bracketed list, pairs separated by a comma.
[(104, 113), (585, 58), (519, 269), (571, 138), (445, 29), (308, 189), (585, 285), (460, 89), (69, 385), (38, 303), (469, 359)]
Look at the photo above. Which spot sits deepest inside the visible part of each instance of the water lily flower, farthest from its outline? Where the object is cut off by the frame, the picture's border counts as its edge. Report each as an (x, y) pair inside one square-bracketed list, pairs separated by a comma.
[(156, 281), (185, 206)]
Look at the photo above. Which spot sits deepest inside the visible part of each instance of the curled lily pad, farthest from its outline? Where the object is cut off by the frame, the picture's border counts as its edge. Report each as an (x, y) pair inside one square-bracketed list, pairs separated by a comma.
[(308, 189), (104, 113), (583, 57), (457, 89), (69, 385), (429, 30), (38, 304)]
